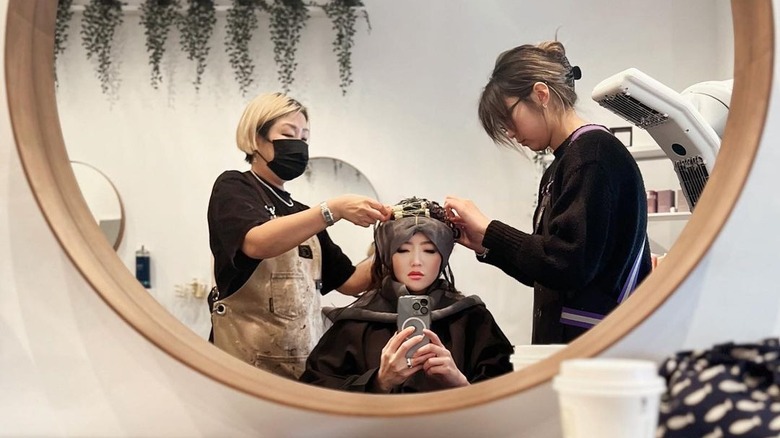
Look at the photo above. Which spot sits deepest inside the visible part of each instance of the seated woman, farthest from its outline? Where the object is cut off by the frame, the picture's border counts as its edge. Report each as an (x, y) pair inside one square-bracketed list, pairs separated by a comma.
[(363, 351)]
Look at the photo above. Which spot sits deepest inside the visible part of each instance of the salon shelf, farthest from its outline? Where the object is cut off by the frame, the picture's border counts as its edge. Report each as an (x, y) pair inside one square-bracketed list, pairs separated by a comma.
[(676, 216), (646, 152)]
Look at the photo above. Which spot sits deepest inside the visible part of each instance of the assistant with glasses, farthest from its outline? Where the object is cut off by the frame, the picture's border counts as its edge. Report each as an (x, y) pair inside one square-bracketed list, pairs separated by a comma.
[(273, 257), (588, 248)]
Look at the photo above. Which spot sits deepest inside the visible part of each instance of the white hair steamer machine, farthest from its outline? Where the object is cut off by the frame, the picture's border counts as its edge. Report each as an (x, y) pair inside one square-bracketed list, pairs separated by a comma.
[(687, 126)]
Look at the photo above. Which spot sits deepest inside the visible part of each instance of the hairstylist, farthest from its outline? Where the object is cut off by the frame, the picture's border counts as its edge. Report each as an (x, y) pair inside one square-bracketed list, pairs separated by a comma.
[(588, 248), (273, 257)]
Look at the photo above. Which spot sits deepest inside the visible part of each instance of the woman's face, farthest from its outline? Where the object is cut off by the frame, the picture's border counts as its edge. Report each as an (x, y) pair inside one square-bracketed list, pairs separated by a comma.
[(416, 263), (529, 126), (293, 126)]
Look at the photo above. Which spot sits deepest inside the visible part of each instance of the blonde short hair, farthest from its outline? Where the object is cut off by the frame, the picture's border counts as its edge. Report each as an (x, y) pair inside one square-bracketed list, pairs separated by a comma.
[(260, 115)]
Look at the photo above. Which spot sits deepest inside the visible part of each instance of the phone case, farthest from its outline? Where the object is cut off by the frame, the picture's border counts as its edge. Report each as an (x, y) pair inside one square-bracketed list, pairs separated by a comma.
[(415, 310)]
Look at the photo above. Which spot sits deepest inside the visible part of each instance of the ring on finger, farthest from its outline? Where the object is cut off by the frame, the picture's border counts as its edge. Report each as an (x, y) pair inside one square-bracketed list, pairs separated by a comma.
[(408, 362)]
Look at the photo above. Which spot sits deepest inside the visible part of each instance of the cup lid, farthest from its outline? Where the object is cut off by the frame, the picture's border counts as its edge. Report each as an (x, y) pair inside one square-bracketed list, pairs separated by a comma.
[(609, 370)]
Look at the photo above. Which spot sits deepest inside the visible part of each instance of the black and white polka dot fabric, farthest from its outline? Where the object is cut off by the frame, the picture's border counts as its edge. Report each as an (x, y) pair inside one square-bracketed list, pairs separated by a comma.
[(730, 390)]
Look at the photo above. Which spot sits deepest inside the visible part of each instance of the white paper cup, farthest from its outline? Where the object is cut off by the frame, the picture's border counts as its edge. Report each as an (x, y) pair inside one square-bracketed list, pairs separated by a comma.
[(526, 355), (609, 398)]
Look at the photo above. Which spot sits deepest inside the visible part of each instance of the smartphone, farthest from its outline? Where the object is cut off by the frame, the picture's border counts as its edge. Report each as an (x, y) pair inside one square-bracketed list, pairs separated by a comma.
[(415, 311)]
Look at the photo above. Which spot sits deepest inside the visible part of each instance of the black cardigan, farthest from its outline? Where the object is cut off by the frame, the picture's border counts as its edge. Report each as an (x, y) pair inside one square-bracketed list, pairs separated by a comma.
[(587, 239)]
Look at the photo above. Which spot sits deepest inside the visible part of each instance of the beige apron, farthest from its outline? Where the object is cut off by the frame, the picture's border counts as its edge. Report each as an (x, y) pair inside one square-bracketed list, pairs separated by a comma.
[(274, 320)]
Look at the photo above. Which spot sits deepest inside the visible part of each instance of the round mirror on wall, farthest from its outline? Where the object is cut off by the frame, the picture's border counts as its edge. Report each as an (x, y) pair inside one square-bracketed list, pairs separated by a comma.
[(54, 187), (103, 200), (327, 178)]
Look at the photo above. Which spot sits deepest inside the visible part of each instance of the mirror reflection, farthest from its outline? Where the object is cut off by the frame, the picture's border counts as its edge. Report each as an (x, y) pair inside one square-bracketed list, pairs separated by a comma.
[(103, 200), (408, 121)]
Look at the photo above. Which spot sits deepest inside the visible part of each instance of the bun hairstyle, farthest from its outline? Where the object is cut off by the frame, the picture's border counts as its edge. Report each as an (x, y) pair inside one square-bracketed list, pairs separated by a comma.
[(514, 75), (410, 216)]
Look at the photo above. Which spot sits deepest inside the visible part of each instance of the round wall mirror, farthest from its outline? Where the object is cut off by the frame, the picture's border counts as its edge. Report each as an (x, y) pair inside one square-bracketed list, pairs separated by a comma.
[(36, 125), (103, 200)]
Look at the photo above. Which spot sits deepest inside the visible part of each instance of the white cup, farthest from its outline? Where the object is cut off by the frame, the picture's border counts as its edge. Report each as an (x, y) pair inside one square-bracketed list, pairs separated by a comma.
[(526, 355), (609, 398)]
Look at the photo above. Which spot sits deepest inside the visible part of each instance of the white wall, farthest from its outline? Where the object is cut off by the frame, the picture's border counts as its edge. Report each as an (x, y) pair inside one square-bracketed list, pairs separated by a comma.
[(71, 367), (408, 123)]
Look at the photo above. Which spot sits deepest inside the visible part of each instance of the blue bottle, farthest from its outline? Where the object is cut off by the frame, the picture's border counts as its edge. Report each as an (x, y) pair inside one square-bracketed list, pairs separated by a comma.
[(142, 267)]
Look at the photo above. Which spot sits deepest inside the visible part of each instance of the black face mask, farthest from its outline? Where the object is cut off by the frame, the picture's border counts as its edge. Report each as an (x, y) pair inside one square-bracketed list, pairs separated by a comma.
[(290, 158)]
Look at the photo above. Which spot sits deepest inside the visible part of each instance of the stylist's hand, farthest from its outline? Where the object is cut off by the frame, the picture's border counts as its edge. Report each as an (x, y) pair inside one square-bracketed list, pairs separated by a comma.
[(360, 210), (472, 222), (439, 364), (393, 366)]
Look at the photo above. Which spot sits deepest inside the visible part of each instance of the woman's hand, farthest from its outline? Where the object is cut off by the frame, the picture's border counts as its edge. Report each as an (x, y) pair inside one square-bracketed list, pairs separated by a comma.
[(360, 210), (438, 363), (472, 222), (394, 369)]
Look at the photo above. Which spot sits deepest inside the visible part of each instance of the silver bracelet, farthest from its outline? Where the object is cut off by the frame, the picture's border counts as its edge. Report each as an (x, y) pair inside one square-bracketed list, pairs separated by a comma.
[(326, 213), (483, 254)]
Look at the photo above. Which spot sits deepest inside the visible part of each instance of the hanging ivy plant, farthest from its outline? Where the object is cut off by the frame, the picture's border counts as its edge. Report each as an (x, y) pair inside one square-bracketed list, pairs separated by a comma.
[(157, 17), (64, 14), (288, 18), (101, 18), (343, 16), (241, 24), (196, 28)]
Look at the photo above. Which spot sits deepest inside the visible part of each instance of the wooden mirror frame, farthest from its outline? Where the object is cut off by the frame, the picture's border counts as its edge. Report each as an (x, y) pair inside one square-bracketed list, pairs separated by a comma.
[(33, 109)]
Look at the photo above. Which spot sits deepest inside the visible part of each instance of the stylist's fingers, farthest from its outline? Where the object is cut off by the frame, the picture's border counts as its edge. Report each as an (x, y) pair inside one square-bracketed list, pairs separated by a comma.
[(471, 219), (383, 210), (459, 210), (451, 207), (360, 210), (376, 211)]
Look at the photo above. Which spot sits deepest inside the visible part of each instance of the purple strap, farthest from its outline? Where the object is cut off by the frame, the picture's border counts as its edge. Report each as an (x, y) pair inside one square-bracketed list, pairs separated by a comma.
[(581, 318), (586, 128), (631, 280)]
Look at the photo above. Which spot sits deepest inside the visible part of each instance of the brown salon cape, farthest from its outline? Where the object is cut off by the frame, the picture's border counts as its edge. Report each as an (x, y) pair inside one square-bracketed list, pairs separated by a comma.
[(348, 355)]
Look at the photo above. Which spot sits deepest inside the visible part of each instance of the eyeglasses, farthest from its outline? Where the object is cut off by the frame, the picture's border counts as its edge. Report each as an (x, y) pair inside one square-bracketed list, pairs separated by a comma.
[(510, 111)]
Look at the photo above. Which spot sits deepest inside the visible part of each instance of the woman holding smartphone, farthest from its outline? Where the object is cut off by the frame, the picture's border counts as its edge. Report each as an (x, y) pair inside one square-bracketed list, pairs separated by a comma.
[(364, 351)]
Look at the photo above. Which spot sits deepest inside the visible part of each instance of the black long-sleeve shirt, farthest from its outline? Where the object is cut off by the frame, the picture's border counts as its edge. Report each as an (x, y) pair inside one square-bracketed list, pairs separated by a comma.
[(587, 239)]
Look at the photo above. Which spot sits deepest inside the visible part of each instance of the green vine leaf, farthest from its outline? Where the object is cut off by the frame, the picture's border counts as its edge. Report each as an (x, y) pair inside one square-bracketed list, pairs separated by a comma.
[(196, 28), (64, 14), (101, 18), (241, 24), (343, 16), (288, 18), (157, 17)]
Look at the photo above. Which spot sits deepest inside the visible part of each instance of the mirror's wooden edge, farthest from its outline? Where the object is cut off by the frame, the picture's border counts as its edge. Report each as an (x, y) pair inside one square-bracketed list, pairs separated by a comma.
[(32, 105)]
